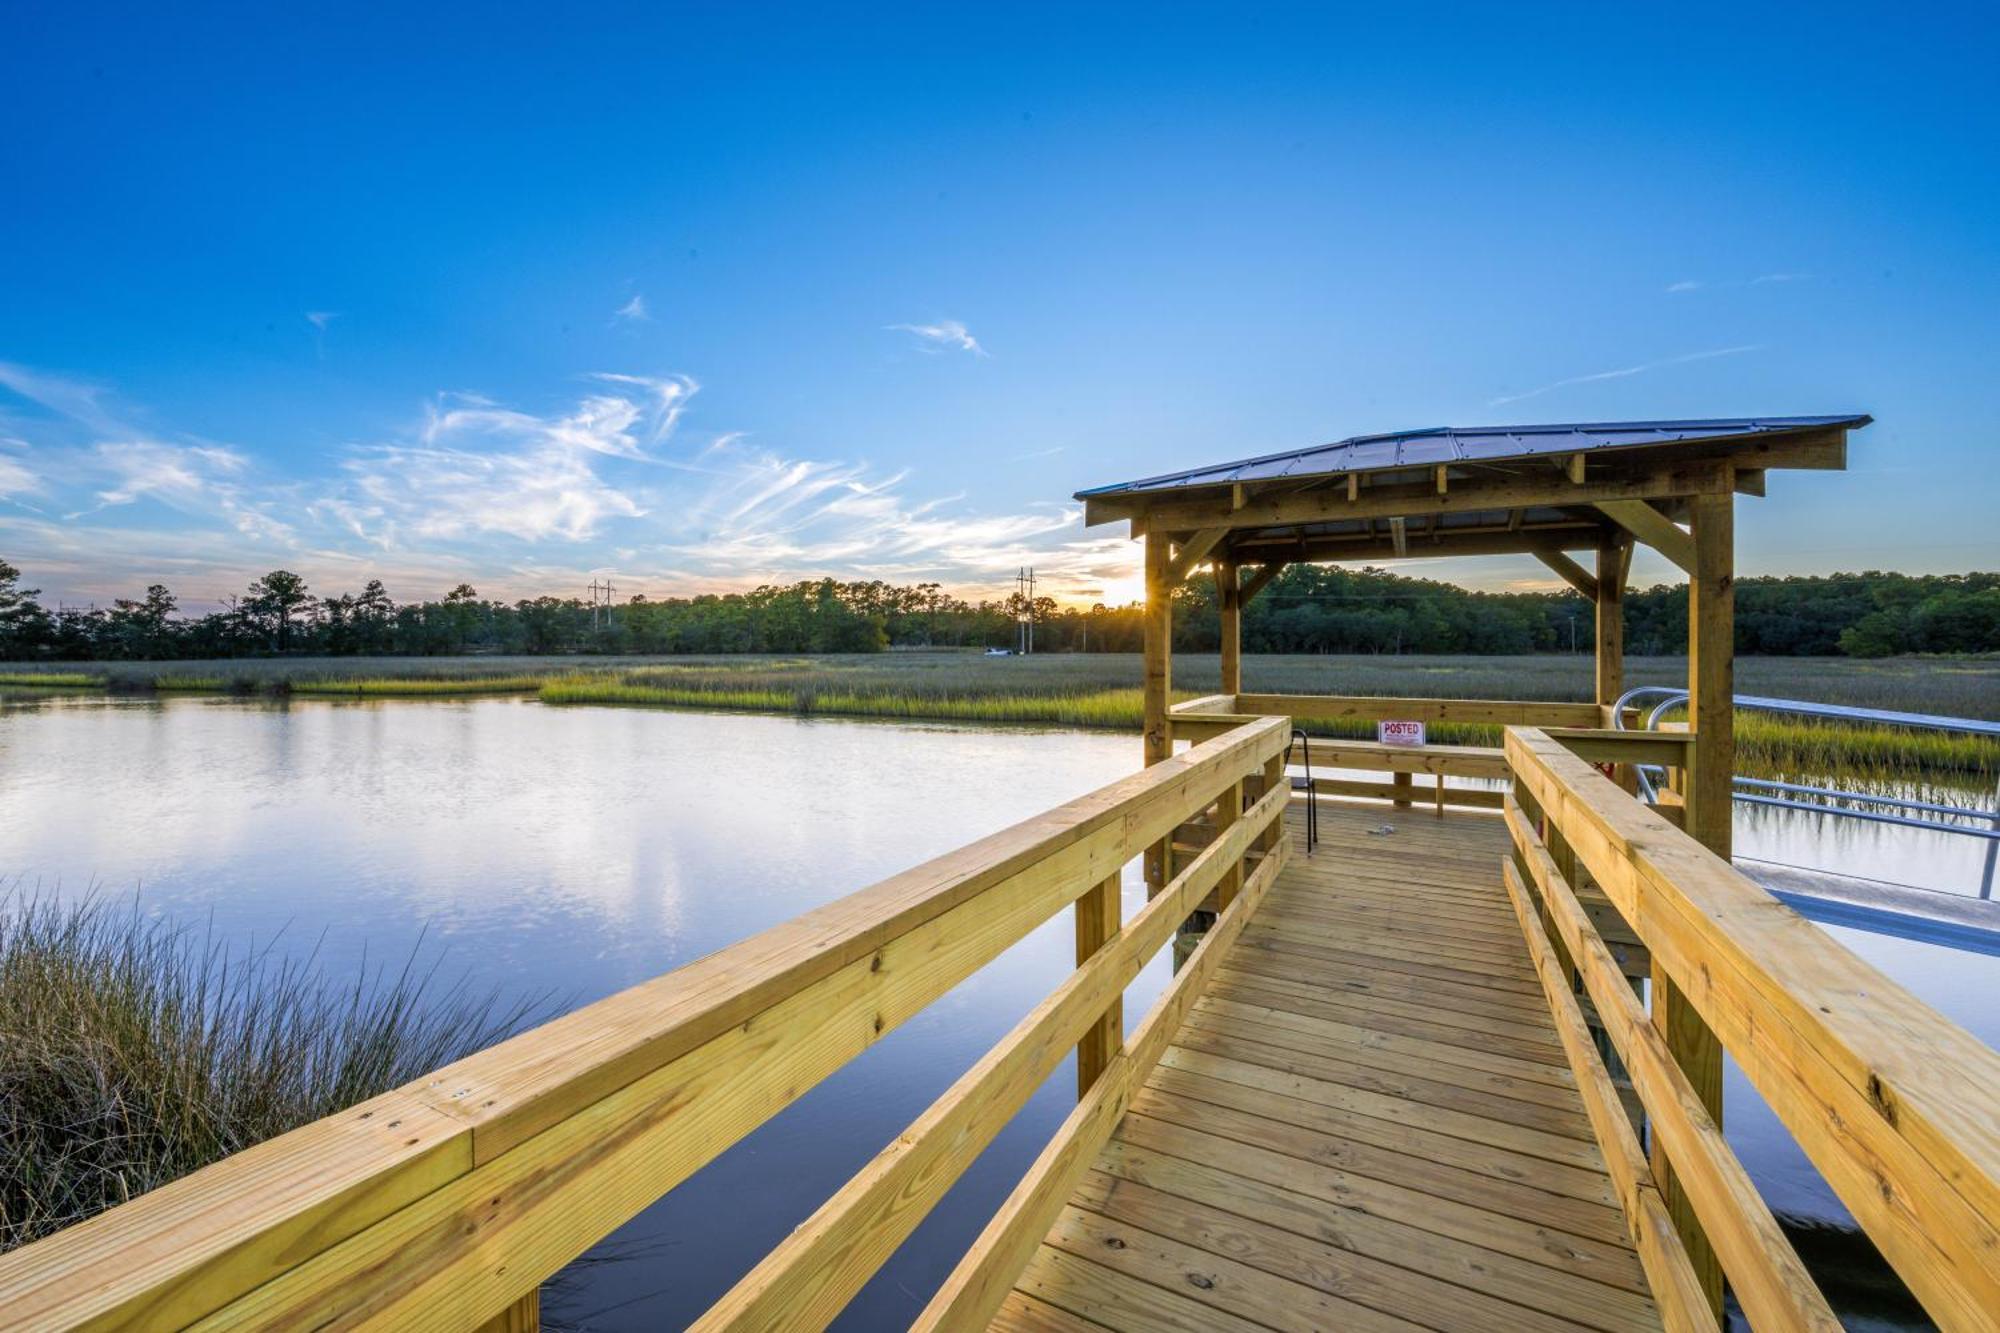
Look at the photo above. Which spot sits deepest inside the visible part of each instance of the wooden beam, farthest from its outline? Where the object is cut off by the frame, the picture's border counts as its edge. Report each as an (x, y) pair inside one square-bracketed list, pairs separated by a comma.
[(1567, 536), (1443, 478), (1749, 481), (1380, 708), (1261, 580), (1710, 807), (1399, 536), (523, 1316), (1193, 551), (1641, 473), (1574, 468), (1157, 691), (1229, 622), (1652, 527), (1613, 563), (1098, 917), (1540, 489), (1572, 573)]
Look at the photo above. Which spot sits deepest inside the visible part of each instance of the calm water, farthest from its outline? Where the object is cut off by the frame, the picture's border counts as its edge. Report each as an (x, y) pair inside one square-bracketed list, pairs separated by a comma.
[(580, 850)]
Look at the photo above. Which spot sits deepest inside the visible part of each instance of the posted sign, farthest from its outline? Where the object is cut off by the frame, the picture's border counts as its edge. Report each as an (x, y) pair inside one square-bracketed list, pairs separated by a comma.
[(1400, 733)]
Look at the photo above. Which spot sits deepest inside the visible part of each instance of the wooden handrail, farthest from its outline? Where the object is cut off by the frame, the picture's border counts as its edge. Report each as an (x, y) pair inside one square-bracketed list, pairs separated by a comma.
[(1373, 708), (814, 1272), (443, 1203), (1770, 1280), (1678, 1293), (1893, 1103)]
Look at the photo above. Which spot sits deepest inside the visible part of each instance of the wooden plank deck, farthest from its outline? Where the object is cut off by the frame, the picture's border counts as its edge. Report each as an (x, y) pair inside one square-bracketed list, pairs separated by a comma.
[(1366, 1122)]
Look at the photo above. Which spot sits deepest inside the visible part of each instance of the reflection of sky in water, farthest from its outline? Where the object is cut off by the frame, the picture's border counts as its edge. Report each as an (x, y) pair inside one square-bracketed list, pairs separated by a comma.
[(580, 850)]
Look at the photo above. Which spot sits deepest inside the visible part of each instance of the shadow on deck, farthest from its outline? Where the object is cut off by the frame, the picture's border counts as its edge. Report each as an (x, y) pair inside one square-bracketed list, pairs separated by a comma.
[(1366, 1120)]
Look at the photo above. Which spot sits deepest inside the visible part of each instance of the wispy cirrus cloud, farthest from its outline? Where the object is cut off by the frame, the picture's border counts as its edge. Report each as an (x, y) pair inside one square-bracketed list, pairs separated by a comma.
[(946, 333), (320, 319), (1625, 372), (1761, 280), (632, 312), (515, 499)]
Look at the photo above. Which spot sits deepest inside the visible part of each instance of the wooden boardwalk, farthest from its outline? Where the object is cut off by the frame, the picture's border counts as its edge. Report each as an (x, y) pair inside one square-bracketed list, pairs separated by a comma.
[(1344, 1131)]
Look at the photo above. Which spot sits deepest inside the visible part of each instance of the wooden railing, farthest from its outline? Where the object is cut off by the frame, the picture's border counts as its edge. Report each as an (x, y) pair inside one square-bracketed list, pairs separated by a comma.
[(1897, 1107), (446, 1203)]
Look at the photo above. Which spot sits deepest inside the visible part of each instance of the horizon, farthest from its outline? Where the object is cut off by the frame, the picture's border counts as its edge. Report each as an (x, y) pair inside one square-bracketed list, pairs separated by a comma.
[(464, 298)]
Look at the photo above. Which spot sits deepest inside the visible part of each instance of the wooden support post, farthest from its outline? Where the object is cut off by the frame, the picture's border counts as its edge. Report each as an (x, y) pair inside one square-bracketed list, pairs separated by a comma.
[(1227, 811), (1159, 648), (523, 1316), (1098, 918), (1405, 788), (1229, 604), (1274, 777), (1611, 571), (1710, 784)]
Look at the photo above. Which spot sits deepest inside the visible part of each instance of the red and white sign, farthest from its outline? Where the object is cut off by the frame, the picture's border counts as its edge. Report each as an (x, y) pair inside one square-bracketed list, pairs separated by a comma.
[(1400, 733)]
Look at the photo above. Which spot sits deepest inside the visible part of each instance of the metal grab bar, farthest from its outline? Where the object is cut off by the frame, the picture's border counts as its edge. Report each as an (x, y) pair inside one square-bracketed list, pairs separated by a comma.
[(1305, 745), (1668, 698)]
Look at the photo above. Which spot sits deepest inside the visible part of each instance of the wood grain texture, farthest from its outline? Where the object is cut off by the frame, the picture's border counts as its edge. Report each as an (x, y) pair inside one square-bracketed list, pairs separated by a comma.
[(1334, 1141), (1892, 1102)]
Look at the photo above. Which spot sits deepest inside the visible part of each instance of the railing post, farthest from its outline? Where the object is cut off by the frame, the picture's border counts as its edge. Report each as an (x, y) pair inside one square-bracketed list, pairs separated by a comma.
[(1227, 811), (1099, 916), (523, 1316), (1229, 608), (1710, 783), (1274, 777), (1159, 646)]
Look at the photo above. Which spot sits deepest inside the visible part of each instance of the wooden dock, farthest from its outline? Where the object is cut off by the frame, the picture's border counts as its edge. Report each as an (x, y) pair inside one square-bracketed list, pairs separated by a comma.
[(1373, 1094), (1367, 1121)]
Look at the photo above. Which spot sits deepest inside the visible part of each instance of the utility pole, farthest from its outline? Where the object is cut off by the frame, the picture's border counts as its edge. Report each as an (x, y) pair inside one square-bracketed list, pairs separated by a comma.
[(1031, 608), (599, 590)]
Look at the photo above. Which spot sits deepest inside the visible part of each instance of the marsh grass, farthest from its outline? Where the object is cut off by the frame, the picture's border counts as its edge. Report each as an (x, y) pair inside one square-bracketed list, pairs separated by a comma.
[(1098, 690), (176, 681), (133, 1051), (51, 680), (416, 686), (1767, 745)]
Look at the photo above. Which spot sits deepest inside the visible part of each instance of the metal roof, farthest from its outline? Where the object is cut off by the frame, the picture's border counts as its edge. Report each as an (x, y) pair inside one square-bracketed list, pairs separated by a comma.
[(1476, 444)]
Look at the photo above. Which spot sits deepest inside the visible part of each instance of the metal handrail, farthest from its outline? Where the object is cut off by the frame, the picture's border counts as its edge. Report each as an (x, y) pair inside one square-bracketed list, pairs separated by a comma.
[(1304, 742), (1666, 698)]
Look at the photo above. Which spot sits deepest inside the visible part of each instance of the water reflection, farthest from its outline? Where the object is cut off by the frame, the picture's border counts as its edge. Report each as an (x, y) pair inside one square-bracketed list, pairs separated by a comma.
[(581, 850)]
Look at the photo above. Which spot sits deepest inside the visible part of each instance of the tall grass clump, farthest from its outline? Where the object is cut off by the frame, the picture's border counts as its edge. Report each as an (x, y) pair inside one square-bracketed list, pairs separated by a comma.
[(415, 686), (51, 680), (133, 1051), (176, 681)]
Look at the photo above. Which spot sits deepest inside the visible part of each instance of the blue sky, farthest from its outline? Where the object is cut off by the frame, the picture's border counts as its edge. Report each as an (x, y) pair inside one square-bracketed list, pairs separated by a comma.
[(711, 296)]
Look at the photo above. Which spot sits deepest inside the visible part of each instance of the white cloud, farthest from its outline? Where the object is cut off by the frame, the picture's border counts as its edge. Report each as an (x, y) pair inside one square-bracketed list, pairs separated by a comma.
[(1625, 372), (944, 333), (319, 319), (1764, 278), (516, 500), (633, 311), (1685, 285)]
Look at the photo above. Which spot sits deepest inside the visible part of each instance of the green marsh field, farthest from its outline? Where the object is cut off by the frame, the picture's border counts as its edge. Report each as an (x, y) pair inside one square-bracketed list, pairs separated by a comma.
[(1101, 690)]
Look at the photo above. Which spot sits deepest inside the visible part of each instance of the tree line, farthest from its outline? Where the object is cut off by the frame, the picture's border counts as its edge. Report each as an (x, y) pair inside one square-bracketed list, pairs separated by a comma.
[(1306, 609)]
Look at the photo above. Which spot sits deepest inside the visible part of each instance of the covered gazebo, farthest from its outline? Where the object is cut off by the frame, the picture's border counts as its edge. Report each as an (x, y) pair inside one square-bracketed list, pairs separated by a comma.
[(1574, 496), (1556, 492)]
